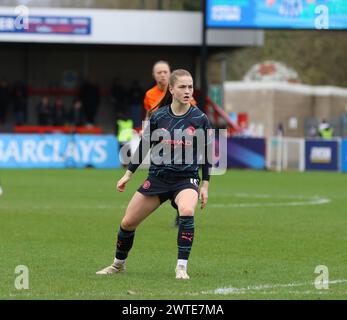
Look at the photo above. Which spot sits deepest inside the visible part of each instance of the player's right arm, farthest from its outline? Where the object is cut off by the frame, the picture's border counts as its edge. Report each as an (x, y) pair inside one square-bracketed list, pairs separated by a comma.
[(124, 180), (139, 155)]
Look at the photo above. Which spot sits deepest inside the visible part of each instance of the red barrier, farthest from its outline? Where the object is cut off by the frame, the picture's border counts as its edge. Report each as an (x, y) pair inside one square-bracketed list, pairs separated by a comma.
[(55, 129)]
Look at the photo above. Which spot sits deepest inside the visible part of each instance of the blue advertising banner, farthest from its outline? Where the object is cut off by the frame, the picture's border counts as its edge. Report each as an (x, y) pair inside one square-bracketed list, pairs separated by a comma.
[(58, 151), (344, 155), (277, 14), (246, 153), (321, 155), (45, 25)]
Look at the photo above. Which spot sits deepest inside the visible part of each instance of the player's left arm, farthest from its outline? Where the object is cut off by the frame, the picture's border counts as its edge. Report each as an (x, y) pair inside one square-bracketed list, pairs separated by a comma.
[(207, 165), (203, 193)]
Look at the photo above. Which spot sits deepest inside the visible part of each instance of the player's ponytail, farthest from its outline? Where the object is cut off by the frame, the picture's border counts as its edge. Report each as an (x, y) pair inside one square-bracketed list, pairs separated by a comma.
[(167, 99)]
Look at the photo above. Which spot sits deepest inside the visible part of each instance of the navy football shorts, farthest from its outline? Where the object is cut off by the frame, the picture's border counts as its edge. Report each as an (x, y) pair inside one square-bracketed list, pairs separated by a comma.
[(167, 189)]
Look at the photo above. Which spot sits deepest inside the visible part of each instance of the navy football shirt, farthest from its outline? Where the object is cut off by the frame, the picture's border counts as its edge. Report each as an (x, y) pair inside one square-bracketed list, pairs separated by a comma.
[(179, 144)]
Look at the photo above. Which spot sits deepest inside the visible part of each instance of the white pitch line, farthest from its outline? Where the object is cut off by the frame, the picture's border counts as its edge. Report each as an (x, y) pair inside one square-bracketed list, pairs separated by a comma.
[(259, 289), (265, 196), (232, 290), (303, 201), (312, 202), (236, 291)]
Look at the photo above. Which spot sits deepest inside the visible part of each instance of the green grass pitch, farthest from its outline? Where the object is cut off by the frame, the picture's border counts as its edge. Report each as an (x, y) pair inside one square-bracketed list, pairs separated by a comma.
[(261, 237)]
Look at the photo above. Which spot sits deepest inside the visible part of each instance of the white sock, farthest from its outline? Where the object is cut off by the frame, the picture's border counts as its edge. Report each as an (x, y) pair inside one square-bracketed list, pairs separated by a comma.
[(118, 261), (182, 263)]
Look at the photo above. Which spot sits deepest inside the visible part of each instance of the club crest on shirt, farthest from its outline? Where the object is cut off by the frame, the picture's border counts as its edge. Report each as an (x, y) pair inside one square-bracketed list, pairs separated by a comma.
[(190, 130), (146, 185)]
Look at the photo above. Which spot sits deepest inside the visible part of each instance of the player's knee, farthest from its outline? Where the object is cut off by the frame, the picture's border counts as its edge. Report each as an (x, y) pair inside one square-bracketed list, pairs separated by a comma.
[(128, 225), (186, 211)]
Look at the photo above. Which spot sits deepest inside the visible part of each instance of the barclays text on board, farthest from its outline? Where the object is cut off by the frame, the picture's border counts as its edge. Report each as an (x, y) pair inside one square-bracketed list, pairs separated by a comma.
[(277, 14), (58, 151)]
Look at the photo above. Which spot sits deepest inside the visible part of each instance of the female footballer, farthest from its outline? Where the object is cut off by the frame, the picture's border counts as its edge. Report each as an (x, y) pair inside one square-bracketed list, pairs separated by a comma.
[(176, 180), (159, 95)]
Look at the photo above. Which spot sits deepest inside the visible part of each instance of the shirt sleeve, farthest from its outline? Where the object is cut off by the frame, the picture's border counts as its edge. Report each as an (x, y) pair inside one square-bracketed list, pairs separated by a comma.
[(144, 145)]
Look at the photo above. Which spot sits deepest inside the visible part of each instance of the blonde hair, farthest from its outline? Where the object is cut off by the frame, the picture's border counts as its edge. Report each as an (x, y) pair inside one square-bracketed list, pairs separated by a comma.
[(178, 73)]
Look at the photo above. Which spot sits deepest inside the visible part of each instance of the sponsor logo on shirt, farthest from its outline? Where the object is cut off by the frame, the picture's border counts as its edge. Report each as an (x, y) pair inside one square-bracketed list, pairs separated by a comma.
[(177, 142)]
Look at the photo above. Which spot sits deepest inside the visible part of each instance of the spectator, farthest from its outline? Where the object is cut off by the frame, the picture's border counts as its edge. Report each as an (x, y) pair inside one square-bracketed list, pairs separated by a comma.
[(76, 116), (20, 103), (4, 100), (280, 129), (59, 114), (90, 98), (44, 112), (124, 133), (325, 130), (135, 98), (117, 95), (161, 74)]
